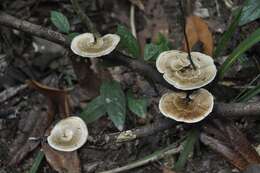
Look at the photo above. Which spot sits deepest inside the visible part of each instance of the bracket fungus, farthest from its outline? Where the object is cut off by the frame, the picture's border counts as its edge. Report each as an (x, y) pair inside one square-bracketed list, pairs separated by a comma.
[(86, 45), (68, 134), (187, 108), (178, 71)]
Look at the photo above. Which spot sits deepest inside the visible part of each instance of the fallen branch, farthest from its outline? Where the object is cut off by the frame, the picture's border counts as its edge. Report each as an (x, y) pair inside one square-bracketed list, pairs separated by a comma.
[(230, 110), (140, 132)]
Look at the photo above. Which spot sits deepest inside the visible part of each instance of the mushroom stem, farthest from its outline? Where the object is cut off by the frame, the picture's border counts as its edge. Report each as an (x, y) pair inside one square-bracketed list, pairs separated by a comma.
[(183, 21), (189, 92)]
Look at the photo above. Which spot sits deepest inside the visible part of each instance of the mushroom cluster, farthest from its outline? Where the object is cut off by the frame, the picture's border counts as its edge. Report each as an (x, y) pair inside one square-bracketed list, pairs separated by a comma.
[(87, 45), (68, 134), (178, 71)]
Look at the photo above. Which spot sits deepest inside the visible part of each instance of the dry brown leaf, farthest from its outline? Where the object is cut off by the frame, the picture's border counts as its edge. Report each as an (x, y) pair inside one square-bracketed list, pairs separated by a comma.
[(231, 143), (32, 124), (242, 145), (59, 98), (197, 30), (232, 156), (62, 161)]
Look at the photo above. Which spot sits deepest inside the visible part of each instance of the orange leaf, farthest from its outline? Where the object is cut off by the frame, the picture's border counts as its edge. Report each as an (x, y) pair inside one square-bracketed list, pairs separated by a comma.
[(197, 30)]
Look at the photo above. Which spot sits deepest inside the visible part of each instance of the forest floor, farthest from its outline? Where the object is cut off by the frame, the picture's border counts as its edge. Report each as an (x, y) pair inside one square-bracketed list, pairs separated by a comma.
[(24, 56)]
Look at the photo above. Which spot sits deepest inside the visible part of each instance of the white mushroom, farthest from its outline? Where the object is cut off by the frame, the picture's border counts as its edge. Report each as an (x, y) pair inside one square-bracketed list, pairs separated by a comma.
[(177, 106), (178, 71), (68, 134), (86, 45)]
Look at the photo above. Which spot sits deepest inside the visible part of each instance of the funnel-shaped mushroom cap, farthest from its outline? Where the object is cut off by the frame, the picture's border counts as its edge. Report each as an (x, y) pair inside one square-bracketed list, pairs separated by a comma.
[(178, 71), (68, 134), (176, 106), (86, 45)]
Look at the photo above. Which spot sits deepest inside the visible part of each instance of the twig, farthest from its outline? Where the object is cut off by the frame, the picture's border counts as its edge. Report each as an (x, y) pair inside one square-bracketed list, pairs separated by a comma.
[(183, 21), (140, 132), (37, 30), (132, 20), (217, 7), (11, 92), (84, 18), (228, 3), (170, 150)]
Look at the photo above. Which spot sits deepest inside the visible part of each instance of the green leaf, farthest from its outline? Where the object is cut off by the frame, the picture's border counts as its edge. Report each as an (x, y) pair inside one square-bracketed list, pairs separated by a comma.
[(151, 51), (60, 21), (240, 49), (128, 41), (137, 106), (37, 162), (115, 102), (162, 40), (72, 35), (94, 110), (222, 43), (188, 147), (250, 12), (249, 94)]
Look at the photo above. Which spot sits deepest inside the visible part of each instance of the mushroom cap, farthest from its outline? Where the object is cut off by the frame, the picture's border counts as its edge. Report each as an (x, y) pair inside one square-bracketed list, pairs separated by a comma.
[(86, 45), (177, 70), (69, 134), (176, 106)]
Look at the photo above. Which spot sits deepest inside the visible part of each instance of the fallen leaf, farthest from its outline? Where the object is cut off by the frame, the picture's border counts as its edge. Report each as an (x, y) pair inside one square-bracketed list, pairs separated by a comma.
[(59, 98), (197, 30), (32, 124), (233, 157), (62, 161), (242, 145), (231, 143)]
